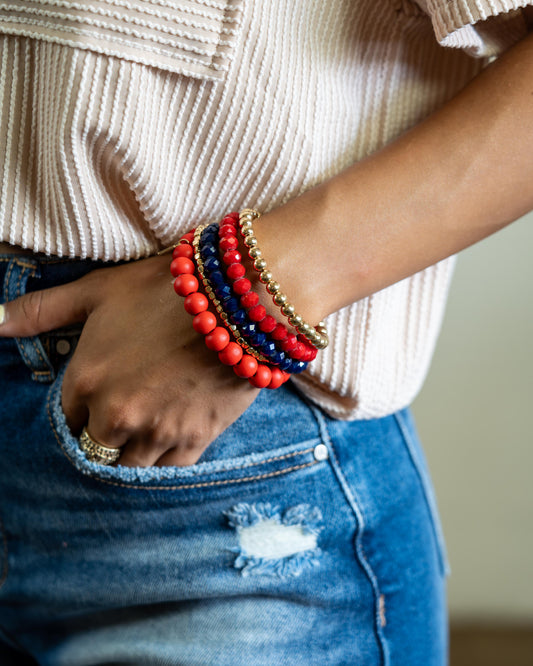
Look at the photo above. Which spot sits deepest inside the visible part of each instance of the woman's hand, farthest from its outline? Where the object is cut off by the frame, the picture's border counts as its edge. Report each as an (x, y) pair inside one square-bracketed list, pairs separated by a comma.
[(141, 378)]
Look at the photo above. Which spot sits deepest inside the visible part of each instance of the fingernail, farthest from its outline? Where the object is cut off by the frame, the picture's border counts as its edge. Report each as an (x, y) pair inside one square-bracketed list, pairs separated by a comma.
[(2, 314)]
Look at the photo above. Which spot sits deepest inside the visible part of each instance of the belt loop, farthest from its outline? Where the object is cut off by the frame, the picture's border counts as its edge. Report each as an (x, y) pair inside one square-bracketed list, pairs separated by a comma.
[(19, 269)]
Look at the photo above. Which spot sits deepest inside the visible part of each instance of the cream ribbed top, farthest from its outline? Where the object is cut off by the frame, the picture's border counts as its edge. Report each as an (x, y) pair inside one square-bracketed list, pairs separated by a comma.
[(125, 122)]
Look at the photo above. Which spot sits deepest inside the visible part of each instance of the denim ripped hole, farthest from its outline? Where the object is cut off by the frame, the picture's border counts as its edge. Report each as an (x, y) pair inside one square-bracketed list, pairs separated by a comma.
[(275, 543)]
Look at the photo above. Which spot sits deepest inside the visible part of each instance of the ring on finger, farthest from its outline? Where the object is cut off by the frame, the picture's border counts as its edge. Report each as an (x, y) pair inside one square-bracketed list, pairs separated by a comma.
[(97, 452)]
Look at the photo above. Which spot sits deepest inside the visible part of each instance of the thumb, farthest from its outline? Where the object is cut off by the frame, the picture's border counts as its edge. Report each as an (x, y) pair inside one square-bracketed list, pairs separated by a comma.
[(45, 310)]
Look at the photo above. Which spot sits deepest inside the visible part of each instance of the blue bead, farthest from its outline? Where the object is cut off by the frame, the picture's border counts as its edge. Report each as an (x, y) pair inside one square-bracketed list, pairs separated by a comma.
[(286, 364), (212, 263), (208, 250), (231, 305), (239, 317), (298, 366), (277, 357), (216, 278), (258, 339), (249, 329), (223, 291), (268, 348)]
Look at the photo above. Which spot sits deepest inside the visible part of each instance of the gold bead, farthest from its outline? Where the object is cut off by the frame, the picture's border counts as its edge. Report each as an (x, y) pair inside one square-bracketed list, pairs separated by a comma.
[(273, 287), (265, 277), (295, 320), (247, 230), (259, 264), (250, 241), (255, 253), (306, 330), (288, 309), (279, 298)]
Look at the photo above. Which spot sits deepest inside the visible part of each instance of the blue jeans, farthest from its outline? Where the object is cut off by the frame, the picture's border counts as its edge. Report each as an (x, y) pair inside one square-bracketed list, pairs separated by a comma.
[(296, 539)]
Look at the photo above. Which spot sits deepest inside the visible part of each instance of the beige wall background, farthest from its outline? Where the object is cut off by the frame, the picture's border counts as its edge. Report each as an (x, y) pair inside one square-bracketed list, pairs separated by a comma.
[(475, 417)]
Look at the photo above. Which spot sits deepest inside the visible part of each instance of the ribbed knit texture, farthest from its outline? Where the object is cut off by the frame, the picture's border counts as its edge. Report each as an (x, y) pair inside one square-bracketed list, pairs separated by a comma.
[(125, 122)]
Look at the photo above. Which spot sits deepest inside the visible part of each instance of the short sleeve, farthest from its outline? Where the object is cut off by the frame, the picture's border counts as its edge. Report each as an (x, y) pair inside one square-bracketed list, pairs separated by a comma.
[(482, 28)]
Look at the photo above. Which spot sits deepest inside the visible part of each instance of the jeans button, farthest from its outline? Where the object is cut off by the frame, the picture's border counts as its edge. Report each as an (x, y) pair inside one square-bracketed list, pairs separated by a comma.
[(63, 347), (321, 452)]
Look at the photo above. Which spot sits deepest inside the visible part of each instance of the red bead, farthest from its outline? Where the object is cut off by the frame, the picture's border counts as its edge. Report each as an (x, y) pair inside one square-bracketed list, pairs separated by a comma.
[(257, 313), (268, 324), (280, 332), (188, 237), (298, 352), (229, 243), (204, 322), (289, 342), (234, 216), (310, 355), (249, 300), (195, 303), (262, 377), (227, 229), (277, 378), (246, 367), (181, 265), (185, 284), (236, 271), (183, 250), (231, 257), (218, 339), (231, 354), (242, 286)]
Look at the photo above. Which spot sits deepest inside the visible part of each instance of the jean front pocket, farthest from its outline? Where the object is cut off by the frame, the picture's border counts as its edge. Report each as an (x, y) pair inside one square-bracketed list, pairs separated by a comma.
[(267, 441)]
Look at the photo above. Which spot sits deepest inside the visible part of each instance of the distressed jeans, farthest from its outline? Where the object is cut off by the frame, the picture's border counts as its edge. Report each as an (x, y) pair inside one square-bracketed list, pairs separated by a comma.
[(296, 539)]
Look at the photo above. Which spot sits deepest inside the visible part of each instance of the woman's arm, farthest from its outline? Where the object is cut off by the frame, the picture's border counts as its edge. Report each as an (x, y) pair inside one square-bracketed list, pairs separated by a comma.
[(454, 179), (142, 379)]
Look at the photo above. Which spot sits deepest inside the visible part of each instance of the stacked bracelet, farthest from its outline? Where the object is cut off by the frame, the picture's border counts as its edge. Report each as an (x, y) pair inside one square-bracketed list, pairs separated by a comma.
[(217, 338), (262, 350)]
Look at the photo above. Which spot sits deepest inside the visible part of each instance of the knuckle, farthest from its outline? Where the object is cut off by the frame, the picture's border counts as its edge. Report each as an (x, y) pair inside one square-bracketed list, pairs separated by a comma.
[(82, 384), (119, 417), (31, 306), (197, 438)]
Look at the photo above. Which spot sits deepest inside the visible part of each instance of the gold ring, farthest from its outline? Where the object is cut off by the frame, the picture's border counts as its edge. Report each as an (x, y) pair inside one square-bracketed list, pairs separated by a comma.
[(96, 452)]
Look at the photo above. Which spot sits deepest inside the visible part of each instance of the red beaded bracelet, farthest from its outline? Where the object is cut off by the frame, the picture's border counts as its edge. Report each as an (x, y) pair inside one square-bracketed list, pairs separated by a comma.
[(217, 338)]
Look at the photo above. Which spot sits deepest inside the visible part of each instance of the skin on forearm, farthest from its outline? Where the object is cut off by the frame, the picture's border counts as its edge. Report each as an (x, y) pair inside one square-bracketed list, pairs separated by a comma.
[(454, 179)]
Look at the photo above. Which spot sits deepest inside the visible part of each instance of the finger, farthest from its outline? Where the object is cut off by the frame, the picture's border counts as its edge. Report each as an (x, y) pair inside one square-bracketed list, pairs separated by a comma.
[(76, 413), (179, 457), (45, 310), (139, 453)]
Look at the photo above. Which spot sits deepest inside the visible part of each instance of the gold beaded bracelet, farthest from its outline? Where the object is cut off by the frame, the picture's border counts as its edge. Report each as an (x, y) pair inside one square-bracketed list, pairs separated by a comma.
[(317, 335)]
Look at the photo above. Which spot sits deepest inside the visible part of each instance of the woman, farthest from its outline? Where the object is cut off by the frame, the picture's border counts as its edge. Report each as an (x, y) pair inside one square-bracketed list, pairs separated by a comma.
[(238, 526)]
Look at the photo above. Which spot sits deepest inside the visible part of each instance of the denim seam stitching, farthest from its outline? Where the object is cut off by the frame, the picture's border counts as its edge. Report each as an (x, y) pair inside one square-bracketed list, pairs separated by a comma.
[(206, 484), (193, 485), (437, 537), (4, 548), (359, 551), (19, 262)]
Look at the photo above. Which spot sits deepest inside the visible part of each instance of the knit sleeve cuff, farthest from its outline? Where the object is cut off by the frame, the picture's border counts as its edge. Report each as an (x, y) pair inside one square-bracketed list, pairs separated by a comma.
[(483, 28)]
